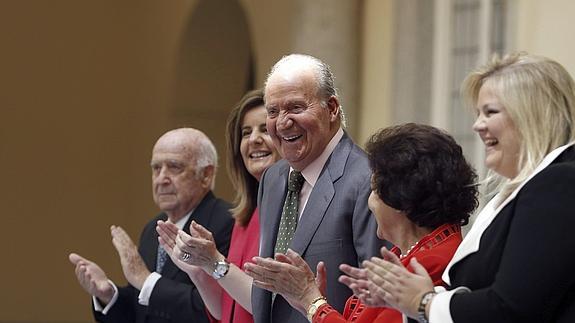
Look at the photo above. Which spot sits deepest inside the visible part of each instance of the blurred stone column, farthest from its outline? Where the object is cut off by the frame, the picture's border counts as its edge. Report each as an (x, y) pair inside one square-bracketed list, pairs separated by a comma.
[(329, 30)]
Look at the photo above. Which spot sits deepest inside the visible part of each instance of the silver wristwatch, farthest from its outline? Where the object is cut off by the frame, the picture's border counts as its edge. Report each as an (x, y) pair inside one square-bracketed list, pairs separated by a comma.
[(221, 268), (425, 299)]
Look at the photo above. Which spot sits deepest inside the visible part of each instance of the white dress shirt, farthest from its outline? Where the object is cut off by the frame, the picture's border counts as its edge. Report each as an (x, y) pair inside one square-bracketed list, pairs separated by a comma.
[(313, 170)]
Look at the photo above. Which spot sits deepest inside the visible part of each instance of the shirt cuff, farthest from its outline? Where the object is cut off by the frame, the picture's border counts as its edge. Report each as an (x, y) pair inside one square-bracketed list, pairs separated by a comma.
[(147, 288), (439, 310), (98, 306)]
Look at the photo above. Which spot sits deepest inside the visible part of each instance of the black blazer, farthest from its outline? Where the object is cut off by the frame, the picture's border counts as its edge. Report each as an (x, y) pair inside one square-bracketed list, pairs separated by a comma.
[(524, 268), (174, 298)]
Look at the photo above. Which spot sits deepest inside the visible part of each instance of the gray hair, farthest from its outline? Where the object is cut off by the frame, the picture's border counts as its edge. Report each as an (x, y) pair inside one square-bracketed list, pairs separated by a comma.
[(324, 77), (206, 155), (198, 146)]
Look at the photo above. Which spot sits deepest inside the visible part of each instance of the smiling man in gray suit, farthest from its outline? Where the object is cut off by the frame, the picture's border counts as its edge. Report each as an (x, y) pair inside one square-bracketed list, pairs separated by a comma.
[(333, 222)]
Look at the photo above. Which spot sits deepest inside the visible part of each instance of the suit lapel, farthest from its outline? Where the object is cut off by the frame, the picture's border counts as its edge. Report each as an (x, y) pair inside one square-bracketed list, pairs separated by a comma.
[(315, 210), (321, 196)]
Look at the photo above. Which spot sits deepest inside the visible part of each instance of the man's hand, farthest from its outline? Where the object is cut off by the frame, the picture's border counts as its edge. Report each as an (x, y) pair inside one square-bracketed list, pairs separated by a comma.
[(92, 278), (391, 281), (133, 265), (288, 275)]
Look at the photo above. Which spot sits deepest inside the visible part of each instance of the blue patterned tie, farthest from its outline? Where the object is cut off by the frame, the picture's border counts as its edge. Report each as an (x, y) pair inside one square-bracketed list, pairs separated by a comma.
[(290, 214), (161, 259)]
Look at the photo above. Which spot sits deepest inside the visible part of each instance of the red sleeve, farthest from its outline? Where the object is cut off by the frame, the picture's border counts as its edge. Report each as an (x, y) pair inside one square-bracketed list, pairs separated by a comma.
[(327, 314), (356, 312), (435, 260)]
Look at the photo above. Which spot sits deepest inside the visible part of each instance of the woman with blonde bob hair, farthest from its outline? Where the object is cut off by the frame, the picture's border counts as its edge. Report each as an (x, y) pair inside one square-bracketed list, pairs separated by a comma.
[(513, 265)]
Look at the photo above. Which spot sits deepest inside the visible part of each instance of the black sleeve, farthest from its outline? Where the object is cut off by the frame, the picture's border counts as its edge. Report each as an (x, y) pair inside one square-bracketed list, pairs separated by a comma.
[(223, 232), (177, 302), (177, 299), (536, 270), (123, 310)]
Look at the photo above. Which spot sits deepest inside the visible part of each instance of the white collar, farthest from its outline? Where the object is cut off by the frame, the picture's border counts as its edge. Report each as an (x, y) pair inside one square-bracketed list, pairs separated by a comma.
[(313, 170), (181, 222)]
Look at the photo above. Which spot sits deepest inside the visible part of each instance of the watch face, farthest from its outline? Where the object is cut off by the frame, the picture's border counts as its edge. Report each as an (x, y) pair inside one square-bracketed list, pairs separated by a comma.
[(221, 269)]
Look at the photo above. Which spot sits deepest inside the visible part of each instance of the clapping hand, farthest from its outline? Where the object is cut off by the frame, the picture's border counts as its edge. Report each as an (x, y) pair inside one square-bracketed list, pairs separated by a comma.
[(168, 233), (133, 265), (190, 252), (290, 276), (356, 279), (92, 278), (390, 281)]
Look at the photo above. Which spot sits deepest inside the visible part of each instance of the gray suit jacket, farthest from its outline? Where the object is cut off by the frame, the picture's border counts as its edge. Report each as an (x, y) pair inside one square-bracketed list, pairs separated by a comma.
[(336, 226)]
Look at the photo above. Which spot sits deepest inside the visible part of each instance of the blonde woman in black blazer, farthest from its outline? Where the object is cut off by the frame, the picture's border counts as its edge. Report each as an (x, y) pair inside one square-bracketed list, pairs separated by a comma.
[(516, 264)]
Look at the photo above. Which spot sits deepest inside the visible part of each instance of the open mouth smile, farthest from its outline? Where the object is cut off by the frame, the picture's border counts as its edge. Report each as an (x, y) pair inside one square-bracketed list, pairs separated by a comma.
[(490, 142), (259, 154), (292, 138)]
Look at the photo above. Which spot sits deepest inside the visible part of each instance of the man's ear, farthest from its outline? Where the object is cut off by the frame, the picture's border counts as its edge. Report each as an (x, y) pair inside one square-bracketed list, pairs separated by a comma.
[(207, 176), (333, 107)]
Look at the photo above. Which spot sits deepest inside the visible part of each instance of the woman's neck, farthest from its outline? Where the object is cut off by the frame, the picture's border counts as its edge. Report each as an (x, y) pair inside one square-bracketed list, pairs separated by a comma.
[(411, 236)]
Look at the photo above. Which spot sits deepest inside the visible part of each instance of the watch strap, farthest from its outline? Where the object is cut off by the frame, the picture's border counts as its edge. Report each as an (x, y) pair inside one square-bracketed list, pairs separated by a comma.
[(425, 299), (316, 303)]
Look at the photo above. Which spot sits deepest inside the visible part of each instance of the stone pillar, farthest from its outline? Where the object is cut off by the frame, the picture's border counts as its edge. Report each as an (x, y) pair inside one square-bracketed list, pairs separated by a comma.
[(329, 30)]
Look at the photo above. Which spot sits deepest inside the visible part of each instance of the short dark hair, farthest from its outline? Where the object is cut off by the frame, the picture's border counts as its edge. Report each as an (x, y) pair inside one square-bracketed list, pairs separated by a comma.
[(421, 171)]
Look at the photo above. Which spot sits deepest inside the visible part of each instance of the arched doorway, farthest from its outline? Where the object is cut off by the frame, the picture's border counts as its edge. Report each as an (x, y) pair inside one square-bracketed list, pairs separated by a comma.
[(214, 69)]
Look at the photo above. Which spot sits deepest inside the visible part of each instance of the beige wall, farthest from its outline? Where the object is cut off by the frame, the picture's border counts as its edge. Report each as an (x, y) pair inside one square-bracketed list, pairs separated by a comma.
[(376, 67), (88, 86), (270, 25), (545, 28)]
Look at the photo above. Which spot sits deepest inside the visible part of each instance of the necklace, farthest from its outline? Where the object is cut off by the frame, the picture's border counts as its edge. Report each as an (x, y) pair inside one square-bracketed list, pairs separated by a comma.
[(403, 255)]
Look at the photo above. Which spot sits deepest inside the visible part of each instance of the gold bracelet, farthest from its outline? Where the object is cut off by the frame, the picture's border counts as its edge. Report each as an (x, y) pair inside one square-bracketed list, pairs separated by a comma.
[(314, 306)]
